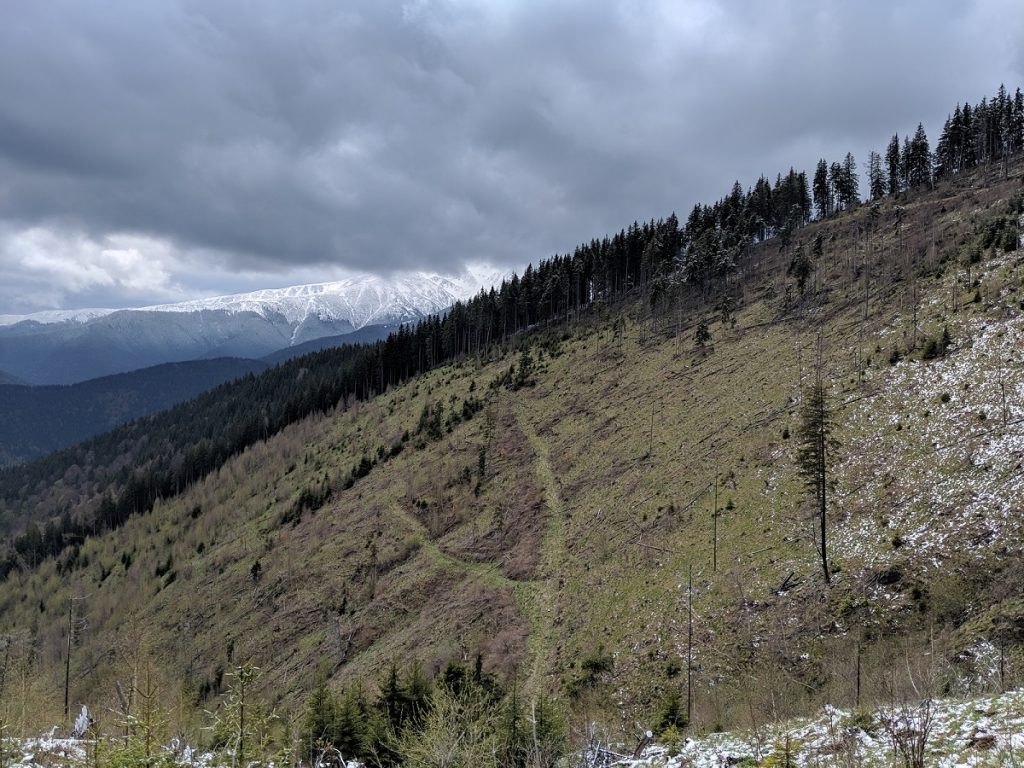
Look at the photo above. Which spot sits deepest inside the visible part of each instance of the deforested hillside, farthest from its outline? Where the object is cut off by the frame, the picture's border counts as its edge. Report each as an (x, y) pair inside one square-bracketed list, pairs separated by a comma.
[(609, 508)]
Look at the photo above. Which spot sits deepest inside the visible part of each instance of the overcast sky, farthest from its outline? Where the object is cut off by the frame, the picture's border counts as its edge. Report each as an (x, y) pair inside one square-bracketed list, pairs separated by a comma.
[(156, 150)]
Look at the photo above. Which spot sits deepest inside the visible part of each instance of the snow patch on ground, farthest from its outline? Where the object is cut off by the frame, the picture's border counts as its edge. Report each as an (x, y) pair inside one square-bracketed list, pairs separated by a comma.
[(987, 731), (939, 452)]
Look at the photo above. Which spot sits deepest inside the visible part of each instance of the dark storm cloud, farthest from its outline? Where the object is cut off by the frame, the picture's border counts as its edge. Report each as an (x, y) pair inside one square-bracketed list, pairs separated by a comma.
[(281, 138)]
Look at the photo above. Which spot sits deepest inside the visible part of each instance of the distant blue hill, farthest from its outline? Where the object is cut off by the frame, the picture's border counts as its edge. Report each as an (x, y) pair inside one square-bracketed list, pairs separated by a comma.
[(8, 378), (35, 420), (129, 340), (367, 335)]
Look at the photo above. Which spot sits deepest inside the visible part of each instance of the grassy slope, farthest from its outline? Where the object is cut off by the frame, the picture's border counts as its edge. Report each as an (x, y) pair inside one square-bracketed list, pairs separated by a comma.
[(588, 519)]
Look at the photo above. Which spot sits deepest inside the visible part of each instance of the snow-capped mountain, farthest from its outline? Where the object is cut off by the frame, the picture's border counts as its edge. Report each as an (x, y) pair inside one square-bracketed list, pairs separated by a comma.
[(361, 301), (65, 346), (56, 316)]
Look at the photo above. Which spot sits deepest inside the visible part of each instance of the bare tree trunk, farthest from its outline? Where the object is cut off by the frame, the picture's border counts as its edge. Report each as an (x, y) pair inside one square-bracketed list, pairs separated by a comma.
[(822, 448), (67, 664), (689, 646), (822, 496), (714, 529)]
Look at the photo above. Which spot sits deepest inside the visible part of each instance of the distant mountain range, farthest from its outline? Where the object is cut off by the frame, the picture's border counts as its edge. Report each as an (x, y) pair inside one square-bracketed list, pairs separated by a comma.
[(6, 378), (35, 420), (63, 347), (366, 335), (38, 419)]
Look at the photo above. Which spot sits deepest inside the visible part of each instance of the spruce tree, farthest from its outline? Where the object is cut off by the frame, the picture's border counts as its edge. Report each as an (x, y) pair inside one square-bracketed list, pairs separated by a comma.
[(919, 163), (849, 182), (813, 448), (318, 723), (822, 195), (876, 178), (892, 165)]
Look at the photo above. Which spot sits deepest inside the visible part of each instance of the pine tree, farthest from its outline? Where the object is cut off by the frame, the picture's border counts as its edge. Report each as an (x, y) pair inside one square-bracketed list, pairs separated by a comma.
[(906, 162), (876, 178), (417, 692), (672, 713), (919, 163), (892, 165), (835, 183), (1017, 122), (800, 267), (944, 148), (318, 723), (547, 734), (242, 724), (813, 447), (821, 191), (848, 182), (967, 147), (351, 731), (702, 336), (145, 728), (393, 704)]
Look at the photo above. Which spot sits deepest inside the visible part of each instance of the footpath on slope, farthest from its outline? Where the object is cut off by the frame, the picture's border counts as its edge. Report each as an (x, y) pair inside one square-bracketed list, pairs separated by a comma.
[(543, 612)]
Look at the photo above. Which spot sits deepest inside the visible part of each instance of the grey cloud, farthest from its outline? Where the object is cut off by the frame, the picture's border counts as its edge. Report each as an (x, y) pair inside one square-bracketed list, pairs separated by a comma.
[(277, 137)]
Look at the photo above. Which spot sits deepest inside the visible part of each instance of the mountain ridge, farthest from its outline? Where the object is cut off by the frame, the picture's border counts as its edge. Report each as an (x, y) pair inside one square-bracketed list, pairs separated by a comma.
[(35, 420), (64, 348), (359, 300)]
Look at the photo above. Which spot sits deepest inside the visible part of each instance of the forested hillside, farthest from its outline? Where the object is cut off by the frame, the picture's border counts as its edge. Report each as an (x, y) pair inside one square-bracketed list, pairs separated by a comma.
[(36, 420), (693, 474)]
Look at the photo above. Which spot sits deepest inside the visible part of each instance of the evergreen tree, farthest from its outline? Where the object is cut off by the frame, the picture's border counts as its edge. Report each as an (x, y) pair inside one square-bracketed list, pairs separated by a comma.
[(876, 178), (351, 732), (822, 191), (317, 729), (967, 147), (892, 165), (944, 166), (918, 162), (393, 704), (835, 183), (672, 714), (849, 183), (813, 454), (1017, 122), (800, 267), (702, 336), (906, 161)]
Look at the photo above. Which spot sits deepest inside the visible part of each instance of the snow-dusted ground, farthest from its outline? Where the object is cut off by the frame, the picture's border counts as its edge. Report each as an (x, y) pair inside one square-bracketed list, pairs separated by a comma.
[(939, 451), (973, 733), (53, 752), (978, 732)]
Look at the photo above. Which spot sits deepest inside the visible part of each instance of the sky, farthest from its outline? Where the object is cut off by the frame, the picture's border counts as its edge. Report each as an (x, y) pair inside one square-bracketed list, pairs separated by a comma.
[(162, 150)]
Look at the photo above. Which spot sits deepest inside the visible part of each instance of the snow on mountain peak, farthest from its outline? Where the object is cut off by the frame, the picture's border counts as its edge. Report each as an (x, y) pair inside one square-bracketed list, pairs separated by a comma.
[(363, 300), (57, 316), (360, 300)]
